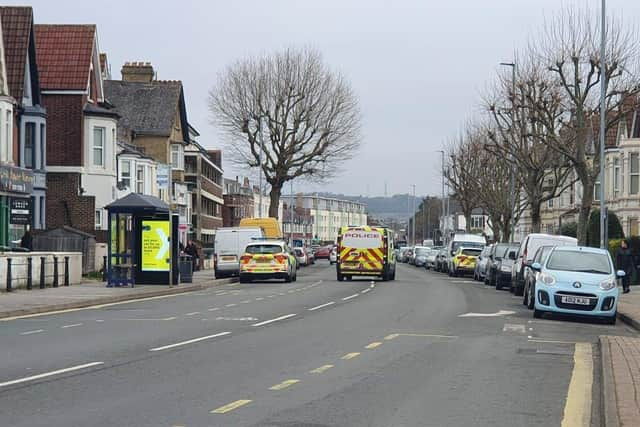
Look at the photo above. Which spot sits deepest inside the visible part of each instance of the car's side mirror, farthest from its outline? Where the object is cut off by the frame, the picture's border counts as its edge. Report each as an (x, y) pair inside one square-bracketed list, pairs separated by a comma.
[(536, 266), (620, 274), (453, 253), (512, 255)]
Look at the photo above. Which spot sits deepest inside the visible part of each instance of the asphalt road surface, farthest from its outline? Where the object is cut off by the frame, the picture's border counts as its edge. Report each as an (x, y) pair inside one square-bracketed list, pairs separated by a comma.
[(425, 350)]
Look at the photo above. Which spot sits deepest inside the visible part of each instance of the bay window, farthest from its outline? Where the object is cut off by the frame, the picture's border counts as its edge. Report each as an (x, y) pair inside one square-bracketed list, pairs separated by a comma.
[(634, 173), (98, 146)]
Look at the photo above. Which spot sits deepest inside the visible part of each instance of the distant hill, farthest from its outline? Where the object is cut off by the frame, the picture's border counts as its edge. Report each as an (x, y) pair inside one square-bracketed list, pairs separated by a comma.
[(382, 207)]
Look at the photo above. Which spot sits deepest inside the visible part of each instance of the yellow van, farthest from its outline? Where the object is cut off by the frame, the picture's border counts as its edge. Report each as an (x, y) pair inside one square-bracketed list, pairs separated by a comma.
[(270, 226)]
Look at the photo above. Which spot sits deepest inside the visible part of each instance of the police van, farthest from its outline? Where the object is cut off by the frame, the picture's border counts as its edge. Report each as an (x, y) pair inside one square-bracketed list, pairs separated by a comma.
[(365, 251)]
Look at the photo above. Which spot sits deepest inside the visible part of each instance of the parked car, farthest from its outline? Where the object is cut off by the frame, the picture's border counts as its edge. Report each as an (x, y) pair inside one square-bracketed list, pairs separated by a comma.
[(464, 261), (430, 262), (268, 259), (527, 250), (333, 256), (576, 280), (481, 264), (463, 239), (441, 260), (230, 243), (304, 256), (530, 278), (420, 256), (323, 252), (497, 267), (407, 253)]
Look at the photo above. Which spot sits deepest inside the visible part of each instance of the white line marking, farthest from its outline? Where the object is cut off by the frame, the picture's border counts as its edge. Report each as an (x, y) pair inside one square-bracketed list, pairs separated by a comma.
[(245, 301), (192, 313), (191, 341), (99, 320), (231, 305), (271, 296), (37, 331), (349, 297), (373, 286), (266, 322), (49, 374), (365, 291), (322, 306), (511, 327), (71, 326), (213, 309), (259, 299)]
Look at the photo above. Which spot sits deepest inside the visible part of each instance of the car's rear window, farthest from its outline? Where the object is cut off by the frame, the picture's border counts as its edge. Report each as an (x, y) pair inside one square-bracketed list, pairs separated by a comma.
[(298, 251), (471, 252), (422, 251), (578, 261), (264, 249)]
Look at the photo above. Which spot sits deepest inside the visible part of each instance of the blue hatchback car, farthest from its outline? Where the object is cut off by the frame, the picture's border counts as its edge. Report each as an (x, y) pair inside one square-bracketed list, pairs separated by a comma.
[(577, 280)]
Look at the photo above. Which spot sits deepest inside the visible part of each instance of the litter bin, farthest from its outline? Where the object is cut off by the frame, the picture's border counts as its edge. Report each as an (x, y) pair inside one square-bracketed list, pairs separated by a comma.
[(186, 269)]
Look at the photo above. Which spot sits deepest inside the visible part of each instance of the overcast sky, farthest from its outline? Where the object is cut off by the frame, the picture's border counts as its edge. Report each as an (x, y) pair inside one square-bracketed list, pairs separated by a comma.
[(417, 66)]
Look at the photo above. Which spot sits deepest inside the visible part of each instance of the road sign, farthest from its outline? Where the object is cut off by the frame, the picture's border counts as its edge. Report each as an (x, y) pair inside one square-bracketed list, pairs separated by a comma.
[(155, 245), (162, 177)]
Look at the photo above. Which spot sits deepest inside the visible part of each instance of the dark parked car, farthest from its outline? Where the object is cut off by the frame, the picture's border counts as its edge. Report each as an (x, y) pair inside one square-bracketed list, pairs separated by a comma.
[(530, 275), (496, 272), (323, 252)]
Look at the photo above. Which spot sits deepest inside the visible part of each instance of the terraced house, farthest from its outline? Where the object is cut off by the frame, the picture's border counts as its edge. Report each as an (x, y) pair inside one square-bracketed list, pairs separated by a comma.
[(81, 142)]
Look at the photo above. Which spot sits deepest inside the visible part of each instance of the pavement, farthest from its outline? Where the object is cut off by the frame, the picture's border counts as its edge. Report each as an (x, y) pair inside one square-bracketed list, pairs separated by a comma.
[(23, 302), (424, 350)]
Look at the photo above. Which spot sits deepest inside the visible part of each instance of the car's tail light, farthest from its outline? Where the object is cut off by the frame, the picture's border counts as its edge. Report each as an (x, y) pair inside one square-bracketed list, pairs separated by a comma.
[(461, 257), (244, 259), (280, 258)]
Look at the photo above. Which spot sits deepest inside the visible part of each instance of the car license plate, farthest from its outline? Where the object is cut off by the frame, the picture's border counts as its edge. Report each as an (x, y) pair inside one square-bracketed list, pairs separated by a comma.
[(576, 300), (228, 258)]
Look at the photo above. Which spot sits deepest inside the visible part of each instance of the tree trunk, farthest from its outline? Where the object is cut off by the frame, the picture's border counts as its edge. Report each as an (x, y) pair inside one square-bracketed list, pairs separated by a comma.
[(584, 211), (274, 197), (506, 232), (534, 205), (467, 220)]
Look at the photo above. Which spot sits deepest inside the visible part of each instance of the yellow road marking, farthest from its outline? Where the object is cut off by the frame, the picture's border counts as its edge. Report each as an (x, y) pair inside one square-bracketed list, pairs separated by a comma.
[(230, 407), (321, 369), (577, 409), (350, 355), (392, 336), (284, 384), (373, 345)]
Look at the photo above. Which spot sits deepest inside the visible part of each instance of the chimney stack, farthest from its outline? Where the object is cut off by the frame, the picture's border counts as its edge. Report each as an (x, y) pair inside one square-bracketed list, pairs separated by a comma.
[(137, 72)]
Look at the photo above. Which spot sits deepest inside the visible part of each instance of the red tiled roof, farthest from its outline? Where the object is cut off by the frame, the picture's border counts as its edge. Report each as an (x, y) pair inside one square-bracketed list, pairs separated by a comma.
[(16, 30), (64, 55)]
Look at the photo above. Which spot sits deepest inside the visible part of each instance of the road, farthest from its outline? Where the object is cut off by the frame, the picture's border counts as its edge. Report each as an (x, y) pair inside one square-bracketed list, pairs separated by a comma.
[(311, 353)]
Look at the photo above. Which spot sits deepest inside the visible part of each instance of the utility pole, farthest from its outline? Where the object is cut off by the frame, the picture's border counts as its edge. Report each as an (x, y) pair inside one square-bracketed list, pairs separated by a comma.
[(603, 93), (513, 119), (413, 227), (443, 202), (260, 166)]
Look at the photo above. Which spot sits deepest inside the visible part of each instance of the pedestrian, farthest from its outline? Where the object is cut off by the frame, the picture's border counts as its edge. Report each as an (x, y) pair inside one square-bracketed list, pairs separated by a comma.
[(624, 261), (27, 240), (192, 251)]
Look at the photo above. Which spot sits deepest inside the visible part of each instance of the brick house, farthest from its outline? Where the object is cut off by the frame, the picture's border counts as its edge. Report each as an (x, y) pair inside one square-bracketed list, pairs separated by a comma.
[(153, 117), (81, 142), (238, 202)]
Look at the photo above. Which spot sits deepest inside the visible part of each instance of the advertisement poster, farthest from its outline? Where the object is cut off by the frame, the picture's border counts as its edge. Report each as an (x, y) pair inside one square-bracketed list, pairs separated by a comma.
[(155, 245)]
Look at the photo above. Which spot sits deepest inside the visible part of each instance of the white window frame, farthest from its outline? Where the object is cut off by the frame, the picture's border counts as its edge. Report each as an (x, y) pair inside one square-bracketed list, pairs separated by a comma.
[(124, 177), (550, 203), (634, 175), (178, 151), (139, 180), (101, 147), (596, 189), (98, 219), (616, 176)]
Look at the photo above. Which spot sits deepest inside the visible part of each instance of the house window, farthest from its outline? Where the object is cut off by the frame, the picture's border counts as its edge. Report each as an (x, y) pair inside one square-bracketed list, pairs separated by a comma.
[(477, 222), (177, 156), (98, 220), (634, 173), (596, 189), (616, 177), (125, 173), (98, 146), (550, 203), (43, 147), (29, 144), (42, 212), (7, 125), (140, 179)]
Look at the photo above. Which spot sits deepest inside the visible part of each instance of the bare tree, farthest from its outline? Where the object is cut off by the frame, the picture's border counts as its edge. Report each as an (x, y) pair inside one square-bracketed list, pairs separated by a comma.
[(464, 168), (569, 47), (308, 114), (518, 138)]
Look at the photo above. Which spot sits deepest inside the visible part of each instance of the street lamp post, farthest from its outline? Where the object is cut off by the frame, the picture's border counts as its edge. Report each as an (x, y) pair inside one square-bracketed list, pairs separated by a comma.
[(260, 166), (603, 93), (413, 223), (443, 202), (513, 118)]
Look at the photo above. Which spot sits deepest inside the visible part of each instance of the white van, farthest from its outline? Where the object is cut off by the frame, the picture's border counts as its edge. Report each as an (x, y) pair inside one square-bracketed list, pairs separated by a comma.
[(527, 251), (463, 239), (230, 243)]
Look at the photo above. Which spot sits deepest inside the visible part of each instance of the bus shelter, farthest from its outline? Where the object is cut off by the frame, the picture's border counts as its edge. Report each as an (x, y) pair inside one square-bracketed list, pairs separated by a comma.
[(142, 239)]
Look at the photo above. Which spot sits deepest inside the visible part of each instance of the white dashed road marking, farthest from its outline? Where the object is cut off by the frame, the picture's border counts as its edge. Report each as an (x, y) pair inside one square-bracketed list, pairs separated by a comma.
[(322, 306), (266, 322)]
